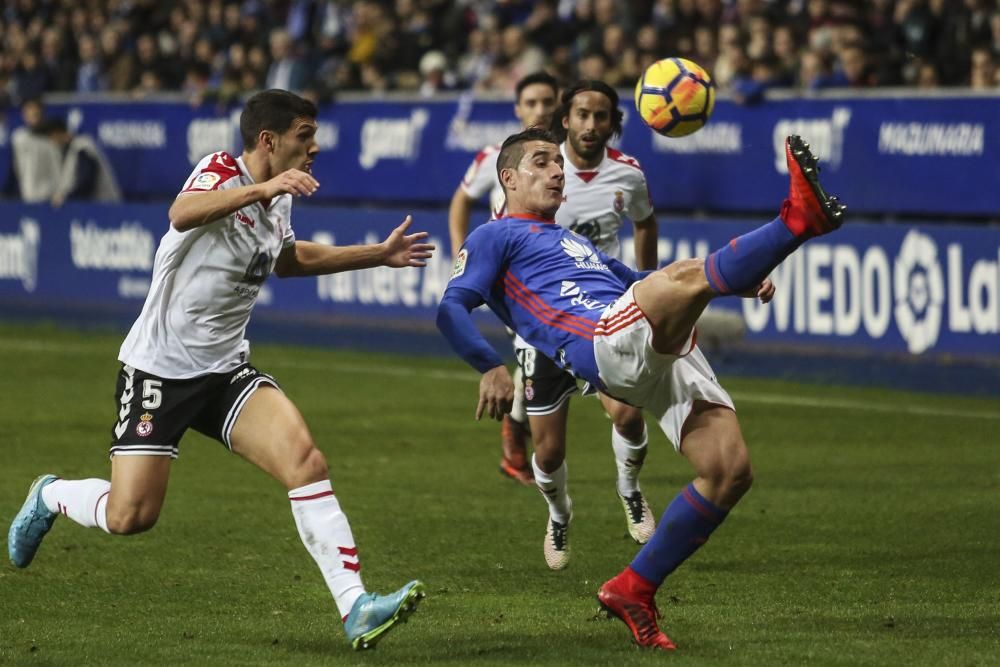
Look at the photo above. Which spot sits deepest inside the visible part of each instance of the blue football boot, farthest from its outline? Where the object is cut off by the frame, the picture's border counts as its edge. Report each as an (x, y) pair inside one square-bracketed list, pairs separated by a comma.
[(30, 525), (373, 615)]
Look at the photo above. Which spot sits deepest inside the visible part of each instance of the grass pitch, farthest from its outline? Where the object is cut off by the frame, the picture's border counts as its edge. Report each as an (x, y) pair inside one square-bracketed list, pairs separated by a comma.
[(870, 537)]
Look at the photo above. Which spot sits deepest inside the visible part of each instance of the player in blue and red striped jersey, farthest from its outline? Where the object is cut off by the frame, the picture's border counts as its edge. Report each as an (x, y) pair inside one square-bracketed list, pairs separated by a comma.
[(535, 98), (630, 334)]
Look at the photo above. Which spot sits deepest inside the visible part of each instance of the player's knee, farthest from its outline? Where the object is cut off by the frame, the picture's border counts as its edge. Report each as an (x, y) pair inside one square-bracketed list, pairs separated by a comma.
[(314, 467), (131, 520), (630, 425), (737, 473), (687, 272), (549, 455)]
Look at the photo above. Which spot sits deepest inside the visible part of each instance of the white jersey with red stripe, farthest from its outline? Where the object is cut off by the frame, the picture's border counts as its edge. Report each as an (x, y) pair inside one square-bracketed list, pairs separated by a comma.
[(481, 177), (206, 281), (596, 201)]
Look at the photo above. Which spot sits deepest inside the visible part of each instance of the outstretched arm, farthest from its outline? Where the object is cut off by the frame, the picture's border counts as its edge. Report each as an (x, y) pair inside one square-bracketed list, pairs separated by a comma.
[(316, 259), (496, 389)]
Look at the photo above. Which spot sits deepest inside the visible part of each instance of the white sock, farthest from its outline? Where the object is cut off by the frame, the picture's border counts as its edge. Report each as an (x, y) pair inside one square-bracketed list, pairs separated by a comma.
[(85, 501), (554, 489), (518, 410), (326, 533), (629, 457)]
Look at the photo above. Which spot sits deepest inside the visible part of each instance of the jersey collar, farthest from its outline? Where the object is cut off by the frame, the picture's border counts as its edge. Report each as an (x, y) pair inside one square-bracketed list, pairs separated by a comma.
[(585, 175), (533, 218)]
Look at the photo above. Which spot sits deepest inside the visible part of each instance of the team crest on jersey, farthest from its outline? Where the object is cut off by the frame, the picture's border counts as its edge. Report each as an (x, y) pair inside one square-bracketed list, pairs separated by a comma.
[(460, 261), (205, 181), (145, 426), (529, 390), (619, 203), (585, 256)]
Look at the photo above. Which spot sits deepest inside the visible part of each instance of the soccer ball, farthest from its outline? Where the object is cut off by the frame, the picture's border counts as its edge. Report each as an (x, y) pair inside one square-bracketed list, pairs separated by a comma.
[(675, 97)]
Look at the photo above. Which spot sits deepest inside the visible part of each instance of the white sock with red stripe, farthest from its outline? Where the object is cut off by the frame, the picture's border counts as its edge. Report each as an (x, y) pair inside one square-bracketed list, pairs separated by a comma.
[(554, 489), (85, 501), (326, 533), (629, 457)]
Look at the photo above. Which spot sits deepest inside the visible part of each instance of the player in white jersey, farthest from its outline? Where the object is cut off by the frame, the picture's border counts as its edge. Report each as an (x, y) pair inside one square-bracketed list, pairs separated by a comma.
[(185, 363), (603, 187), (536, 96)]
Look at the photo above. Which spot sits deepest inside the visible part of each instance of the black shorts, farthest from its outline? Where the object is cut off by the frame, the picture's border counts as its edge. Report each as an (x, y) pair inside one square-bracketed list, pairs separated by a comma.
[(154, 412), (546, 385)]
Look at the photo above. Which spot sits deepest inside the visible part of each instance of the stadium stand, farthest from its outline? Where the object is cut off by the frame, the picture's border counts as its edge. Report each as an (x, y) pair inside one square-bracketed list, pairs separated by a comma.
[(221, 50)]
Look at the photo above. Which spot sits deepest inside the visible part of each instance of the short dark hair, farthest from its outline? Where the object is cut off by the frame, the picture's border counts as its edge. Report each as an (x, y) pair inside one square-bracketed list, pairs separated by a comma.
[(273, 110), (51, 126), (583, 86), (543, 78), (512, 149)]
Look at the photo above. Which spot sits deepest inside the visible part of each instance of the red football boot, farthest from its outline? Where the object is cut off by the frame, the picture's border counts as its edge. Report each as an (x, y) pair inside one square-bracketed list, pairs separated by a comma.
[(513, 440), (631, 598), (808, 211)]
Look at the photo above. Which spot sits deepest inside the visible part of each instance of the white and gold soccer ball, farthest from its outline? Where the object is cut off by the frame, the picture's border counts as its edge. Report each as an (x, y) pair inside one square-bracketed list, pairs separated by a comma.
[(675, 97)]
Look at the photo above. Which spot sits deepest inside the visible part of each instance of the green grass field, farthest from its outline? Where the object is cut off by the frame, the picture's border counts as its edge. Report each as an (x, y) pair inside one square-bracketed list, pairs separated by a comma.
[(870, 537)]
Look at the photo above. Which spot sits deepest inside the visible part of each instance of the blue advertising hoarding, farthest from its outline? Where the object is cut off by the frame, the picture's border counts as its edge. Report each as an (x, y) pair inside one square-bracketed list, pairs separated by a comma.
[(910, 290), (904, 155)]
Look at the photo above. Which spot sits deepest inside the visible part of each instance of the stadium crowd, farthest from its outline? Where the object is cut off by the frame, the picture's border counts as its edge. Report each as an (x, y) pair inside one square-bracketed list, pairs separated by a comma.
[(218, 49)]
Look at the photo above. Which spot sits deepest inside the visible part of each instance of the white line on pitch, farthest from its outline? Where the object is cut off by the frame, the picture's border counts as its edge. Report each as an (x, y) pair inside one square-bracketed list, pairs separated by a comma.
[(469, 376)]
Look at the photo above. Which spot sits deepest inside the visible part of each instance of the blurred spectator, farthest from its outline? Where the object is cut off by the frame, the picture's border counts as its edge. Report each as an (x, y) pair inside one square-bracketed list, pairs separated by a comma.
[(58, 65), (119, 65), (36, 158), (287, 71), (814, 71), (927, 75), (983, 70), (89, 75), (522, 57), (854, 67), (145, 46), (436, 77), (85, 173)]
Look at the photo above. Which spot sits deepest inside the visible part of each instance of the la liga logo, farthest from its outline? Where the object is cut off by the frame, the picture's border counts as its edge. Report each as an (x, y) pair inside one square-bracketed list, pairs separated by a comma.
[(919, 291)]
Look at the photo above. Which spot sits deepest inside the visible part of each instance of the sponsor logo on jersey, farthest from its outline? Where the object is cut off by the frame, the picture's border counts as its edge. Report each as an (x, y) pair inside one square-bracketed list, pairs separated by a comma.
[(580, 297), (205, 181), (247, 220), (584, 255), (460, 262), (19, 254), (145, 426)]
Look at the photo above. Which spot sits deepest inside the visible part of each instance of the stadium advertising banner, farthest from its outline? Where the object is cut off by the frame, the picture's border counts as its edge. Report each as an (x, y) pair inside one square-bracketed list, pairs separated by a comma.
[(917, 290), (917, 155)]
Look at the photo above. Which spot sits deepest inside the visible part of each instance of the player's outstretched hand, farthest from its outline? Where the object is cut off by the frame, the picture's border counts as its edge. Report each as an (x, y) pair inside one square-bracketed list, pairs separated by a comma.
[(406, 250), (293, 181), (764, 291), (496, 393)]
